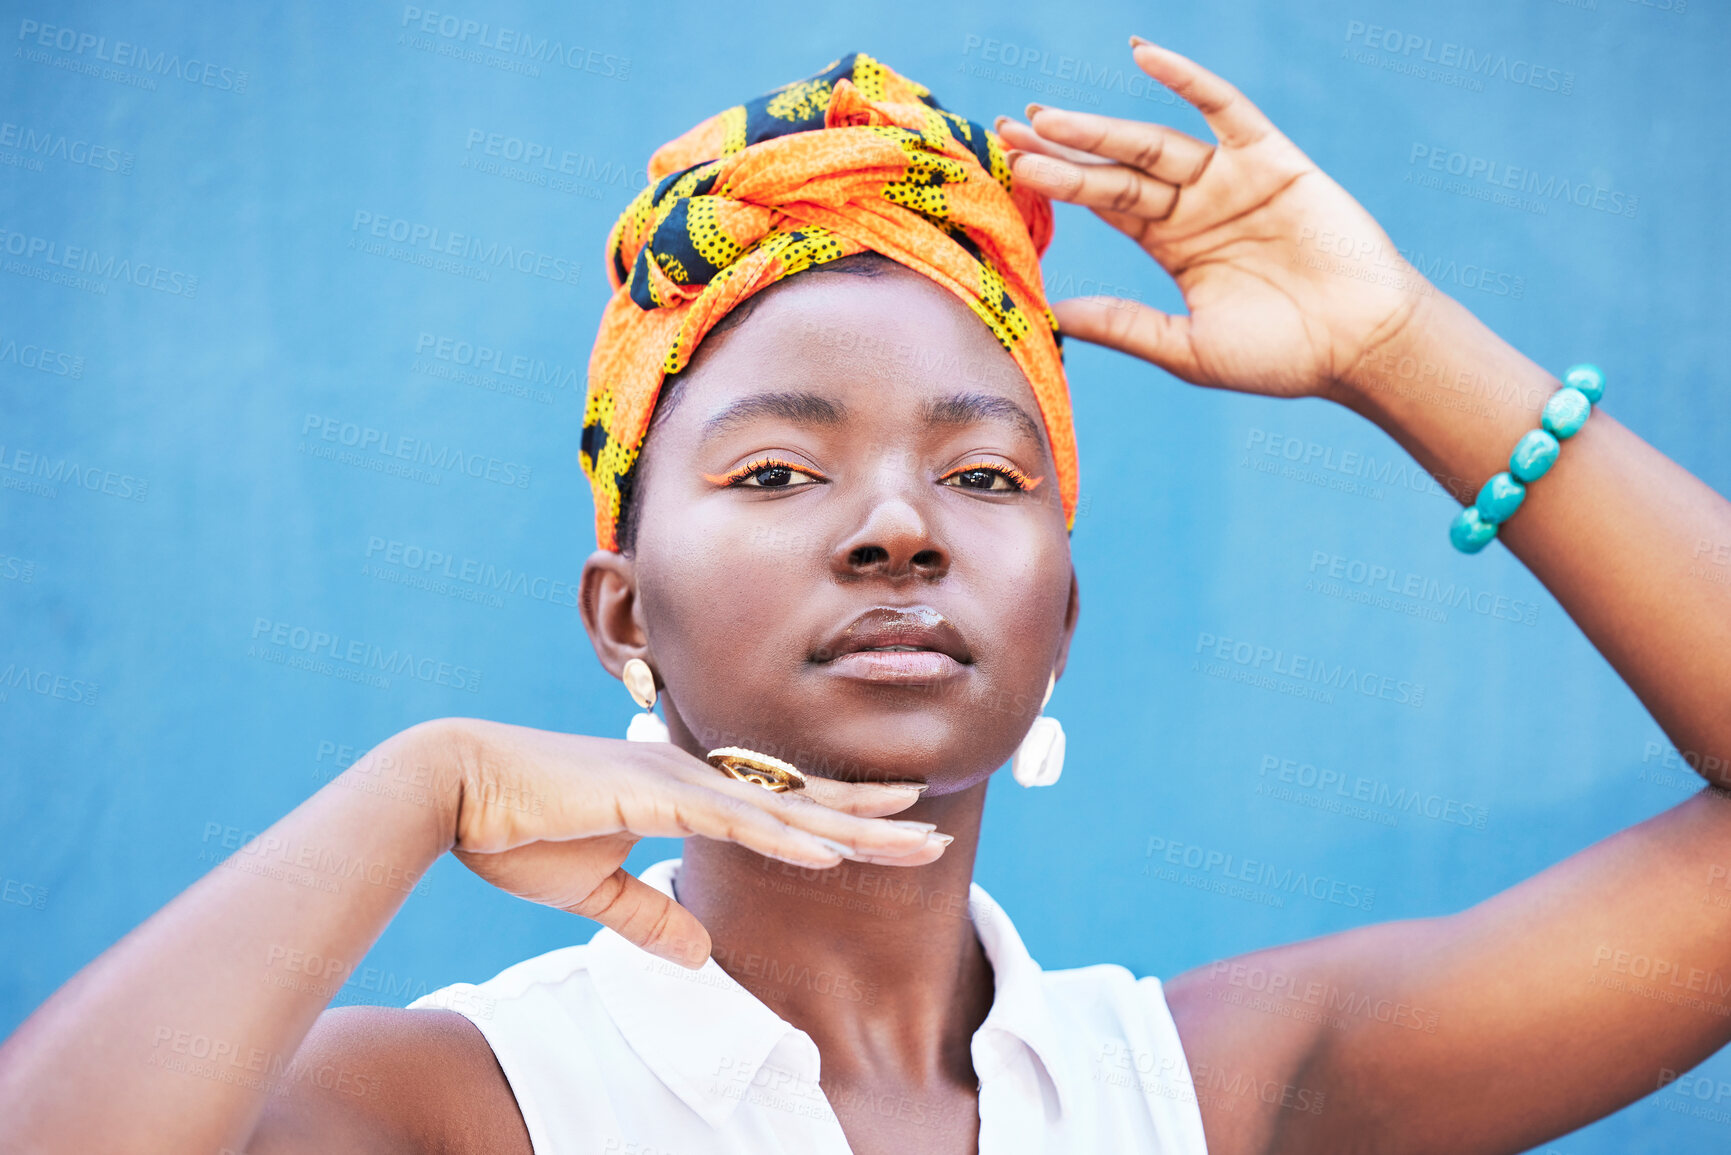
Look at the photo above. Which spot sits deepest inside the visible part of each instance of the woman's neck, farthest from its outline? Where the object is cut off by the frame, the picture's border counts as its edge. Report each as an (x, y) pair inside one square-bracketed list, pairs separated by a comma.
[(880, 965)]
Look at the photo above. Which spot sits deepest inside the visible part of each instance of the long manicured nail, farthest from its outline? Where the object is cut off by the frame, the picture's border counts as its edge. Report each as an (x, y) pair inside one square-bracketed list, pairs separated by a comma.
[(840, 848), (941, 839), (911, 787), (906, 824), (1139, 41)]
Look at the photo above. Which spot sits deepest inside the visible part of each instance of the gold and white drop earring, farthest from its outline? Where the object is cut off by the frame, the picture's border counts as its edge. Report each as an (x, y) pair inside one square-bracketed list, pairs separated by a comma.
[(1040, 757), (639, 680)]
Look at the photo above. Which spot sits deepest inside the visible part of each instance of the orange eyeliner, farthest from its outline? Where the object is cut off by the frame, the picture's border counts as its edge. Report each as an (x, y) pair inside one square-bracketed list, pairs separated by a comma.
[(735, 476), (1022, 480)]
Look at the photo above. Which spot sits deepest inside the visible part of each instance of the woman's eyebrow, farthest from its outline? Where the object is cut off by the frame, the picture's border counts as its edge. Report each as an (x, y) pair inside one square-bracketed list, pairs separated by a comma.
[(806, 408), (965, 408)]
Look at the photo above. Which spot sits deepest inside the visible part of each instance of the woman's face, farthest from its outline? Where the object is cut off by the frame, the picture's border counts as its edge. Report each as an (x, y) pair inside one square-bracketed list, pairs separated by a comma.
[(850, 549)]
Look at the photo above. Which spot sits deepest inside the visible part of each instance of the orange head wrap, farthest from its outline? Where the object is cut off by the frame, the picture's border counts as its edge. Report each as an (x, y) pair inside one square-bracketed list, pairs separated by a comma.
[(857, 158)]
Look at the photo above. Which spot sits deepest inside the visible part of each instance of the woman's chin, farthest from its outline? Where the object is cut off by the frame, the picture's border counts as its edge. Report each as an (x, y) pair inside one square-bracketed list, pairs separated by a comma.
[(944, 754)]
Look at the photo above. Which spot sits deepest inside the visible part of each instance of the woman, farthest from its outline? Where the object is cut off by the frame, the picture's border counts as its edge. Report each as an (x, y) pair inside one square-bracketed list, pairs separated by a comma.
[(841, 538)]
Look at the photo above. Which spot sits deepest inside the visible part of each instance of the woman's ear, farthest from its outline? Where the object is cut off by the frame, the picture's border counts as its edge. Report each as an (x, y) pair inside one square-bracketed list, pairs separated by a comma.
[(607, 596)]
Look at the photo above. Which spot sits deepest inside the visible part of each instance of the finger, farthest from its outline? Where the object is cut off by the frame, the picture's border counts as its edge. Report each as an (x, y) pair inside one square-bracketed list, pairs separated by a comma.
[(929, 853), (860, 799), (869, 837), (864, 799), (790, 820), (1113, 187), (1235, 121), (781, 826), (582, 877), (1019, 136), (647, 917), (1132, 328), (1162, 153)]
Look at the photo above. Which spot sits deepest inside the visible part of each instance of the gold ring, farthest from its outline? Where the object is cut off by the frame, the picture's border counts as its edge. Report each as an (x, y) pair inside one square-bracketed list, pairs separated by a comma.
[(757, 769)]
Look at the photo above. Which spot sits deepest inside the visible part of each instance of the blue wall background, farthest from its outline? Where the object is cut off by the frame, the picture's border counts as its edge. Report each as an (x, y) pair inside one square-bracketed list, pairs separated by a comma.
[(228, 165)]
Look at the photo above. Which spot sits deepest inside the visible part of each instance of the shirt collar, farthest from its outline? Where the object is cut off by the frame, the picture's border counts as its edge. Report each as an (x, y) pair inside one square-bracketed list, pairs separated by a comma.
[(705, 1036)]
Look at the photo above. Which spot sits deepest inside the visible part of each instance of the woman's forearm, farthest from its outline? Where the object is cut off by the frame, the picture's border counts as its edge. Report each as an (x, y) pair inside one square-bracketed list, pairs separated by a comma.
[(171, 1040), (1622, 536)]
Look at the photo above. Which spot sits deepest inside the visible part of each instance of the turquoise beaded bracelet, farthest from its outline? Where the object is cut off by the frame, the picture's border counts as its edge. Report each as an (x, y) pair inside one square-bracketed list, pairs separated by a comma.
[(1533, 456)]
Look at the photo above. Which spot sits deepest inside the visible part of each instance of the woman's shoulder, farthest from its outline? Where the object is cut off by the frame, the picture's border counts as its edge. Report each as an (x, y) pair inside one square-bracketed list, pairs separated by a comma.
[(390, 1079)]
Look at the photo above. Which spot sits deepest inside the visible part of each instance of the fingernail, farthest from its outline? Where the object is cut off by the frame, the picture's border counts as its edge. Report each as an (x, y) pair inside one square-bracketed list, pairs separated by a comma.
[(1033, 108), (1138, 41), (906, 824), (941, 839), (998, 125), (840, 848), (915, 787)]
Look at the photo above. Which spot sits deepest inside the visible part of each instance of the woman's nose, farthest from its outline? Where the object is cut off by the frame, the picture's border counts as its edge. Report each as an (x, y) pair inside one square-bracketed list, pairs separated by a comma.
[(895, 541)]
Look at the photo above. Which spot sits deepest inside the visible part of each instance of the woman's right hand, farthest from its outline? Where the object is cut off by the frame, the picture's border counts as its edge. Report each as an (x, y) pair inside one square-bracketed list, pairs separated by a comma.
[(550, 817)]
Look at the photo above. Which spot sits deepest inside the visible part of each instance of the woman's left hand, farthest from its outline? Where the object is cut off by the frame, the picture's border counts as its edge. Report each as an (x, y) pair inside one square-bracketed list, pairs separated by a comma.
[(1288, 280)]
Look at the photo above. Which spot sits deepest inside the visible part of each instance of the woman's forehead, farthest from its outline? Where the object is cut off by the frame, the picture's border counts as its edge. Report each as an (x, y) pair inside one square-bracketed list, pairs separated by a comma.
[(897, 338)]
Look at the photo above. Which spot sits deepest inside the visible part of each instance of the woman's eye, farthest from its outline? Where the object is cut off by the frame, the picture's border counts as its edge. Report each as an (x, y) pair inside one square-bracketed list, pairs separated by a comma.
[(775, 476), (983, 477)]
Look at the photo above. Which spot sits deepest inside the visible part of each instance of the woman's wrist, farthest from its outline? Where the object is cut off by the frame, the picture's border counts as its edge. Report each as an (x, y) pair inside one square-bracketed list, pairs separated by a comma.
[(418, 778), (1450, 391)]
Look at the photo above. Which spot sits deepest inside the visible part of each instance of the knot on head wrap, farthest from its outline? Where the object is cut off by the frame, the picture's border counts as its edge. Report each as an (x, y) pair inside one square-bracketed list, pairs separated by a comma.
[(857, 158)]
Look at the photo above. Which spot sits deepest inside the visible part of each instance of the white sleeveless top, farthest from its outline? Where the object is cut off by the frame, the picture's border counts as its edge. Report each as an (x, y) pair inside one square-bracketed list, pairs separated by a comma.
[(609, 1049)]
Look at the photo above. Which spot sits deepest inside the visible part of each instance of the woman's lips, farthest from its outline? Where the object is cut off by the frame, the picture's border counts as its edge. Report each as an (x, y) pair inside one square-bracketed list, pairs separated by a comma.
[(908, 667), (910, 645)]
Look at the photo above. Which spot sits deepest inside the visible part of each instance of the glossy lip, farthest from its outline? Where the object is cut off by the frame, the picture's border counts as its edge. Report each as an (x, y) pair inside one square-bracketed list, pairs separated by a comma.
[(936, 648)]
